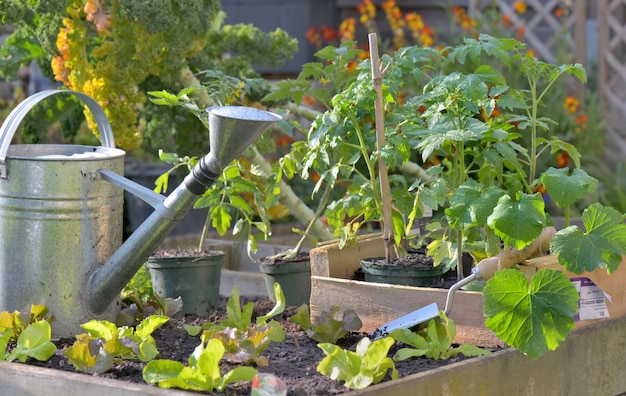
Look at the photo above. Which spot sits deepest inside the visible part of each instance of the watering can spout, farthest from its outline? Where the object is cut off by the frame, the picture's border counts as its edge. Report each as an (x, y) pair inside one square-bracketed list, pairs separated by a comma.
[(232, 129)]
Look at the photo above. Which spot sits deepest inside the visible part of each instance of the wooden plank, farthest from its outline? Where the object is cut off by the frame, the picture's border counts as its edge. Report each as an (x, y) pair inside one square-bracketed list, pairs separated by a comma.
[(589, 362), (377, 304), (345, 261), (24, 379)]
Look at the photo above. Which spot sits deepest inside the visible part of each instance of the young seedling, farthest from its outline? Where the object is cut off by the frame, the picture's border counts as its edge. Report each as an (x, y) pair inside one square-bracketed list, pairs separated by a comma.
[(433, 342), (17, 321), (328, 328), (368, 365), (95, 351), (202, 374), (31, 332), (33, 341), (242, 339)]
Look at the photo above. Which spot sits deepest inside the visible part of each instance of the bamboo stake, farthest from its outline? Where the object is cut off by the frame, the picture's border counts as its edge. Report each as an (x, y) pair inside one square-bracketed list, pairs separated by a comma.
[(390, 253)]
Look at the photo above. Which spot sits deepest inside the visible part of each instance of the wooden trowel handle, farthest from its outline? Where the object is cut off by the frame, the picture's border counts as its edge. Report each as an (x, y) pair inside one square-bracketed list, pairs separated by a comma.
[(511, 256)]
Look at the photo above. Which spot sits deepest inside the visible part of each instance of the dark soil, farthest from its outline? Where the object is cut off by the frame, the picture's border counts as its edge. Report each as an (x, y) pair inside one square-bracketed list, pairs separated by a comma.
[(294, 361)]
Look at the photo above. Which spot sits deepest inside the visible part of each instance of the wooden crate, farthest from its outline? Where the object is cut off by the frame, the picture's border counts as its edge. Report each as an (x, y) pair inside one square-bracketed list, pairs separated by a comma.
[(332, 270)]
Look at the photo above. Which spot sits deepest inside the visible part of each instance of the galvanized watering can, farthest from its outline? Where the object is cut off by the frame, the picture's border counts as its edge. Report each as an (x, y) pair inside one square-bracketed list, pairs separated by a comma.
[(61, 213)]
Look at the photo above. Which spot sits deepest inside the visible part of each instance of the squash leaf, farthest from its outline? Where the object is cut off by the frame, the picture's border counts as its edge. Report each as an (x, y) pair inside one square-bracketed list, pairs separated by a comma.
[(602, 246), (518, 221), (534, 316)]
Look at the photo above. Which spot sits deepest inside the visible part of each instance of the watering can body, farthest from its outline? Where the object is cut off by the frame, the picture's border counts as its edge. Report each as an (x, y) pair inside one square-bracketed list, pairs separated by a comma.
[(61, 222), (58, 220)]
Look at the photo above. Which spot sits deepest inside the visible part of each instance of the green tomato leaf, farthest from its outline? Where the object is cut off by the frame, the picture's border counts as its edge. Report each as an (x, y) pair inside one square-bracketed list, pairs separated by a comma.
[(220, 219), (518, 222), (532, 317), (565, 189), (602, 246)]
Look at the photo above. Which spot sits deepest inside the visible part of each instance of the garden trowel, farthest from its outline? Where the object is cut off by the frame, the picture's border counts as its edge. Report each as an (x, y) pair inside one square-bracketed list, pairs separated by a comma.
[(484, 270)]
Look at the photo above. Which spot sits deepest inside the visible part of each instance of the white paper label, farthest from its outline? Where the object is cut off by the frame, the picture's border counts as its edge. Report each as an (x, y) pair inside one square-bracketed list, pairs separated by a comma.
[(592, 303)]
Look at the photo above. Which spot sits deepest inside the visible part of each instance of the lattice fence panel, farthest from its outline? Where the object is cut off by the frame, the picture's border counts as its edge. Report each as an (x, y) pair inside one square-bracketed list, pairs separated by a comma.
[(612, 73), (554, 29)]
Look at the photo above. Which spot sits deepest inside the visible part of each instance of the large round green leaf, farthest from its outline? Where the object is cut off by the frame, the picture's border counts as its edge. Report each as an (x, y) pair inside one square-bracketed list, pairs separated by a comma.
[(518, 221), (534, 316)]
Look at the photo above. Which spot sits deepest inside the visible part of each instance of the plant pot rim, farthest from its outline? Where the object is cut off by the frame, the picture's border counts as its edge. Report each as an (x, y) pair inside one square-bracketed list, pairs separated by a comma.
[(286, 267), (372, 263), (185, 261)]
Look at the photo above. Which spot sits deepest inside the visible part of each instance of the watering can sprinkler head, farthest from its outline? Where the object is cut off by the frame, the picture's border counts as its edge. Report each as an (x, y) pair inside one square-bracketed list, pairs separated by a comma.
[(232, 129)]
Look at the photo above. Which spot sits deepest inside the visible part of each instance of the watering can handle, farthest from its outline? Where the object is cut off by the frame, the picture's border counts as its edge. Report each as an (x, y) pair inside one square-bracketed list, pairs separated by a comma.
[(12, 122)]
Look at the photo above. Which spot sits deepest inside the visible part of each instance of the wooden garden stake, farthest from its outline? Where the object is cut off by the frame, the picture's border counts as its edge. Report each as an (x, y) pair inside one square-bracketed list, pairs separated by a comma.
[(390, 252)]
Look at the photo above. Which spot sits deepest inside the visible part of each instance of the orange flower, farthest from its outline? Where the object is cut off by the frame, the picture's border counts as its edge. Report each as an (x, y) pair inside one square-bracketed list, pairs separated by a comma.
[(507, 21), (540, 189), (308, 100), (415, 21), (61, 73), (313, 37), (559, 12), (531, 52), (519, 7), (582, 119), (315, 176), (562, 159), (571, 104), (388, 4), (329, 34)]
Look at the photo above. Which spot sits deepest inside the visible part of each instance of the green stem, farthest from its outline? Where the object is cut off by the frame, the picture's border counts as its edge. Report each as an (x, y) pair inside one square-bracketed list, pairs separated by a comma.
[(533, 132), (368, 162), (318, 212), (205, 230)]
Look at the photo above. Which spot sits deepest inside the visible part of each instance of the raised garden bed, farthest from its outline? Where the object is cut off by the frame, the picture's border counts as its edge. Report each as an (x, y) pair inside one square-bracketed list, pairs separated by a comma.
[(332, 284), (589, 362)]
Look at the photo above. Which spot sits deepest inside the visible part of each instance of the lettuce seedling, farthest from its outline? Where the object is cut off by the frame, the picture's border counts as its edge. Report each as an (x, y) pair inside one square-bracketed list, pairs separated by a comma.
[(328, 328), (243, 340), (433, 342), (17, 321), (368, 365), (33, 341), (105, 343), (202, 374)]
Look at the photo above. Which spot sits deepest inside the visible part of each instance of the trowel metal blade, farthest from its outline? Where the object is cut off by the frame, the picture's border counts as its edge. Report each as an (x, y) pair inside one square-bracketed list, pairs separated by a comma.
[(407, 321)]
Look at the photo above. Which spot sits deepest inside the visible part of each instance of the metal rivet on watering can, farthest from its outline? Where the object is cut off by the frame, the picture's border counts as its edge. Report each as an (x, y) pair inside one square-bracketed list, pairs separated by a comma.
[(63, 250)]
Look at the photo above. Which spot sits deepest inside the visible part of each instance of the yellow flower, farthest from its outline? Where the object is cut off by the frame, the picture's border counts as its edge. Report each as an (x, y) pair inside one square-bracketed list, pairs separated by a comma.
[(520, 7), (571, 104)]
